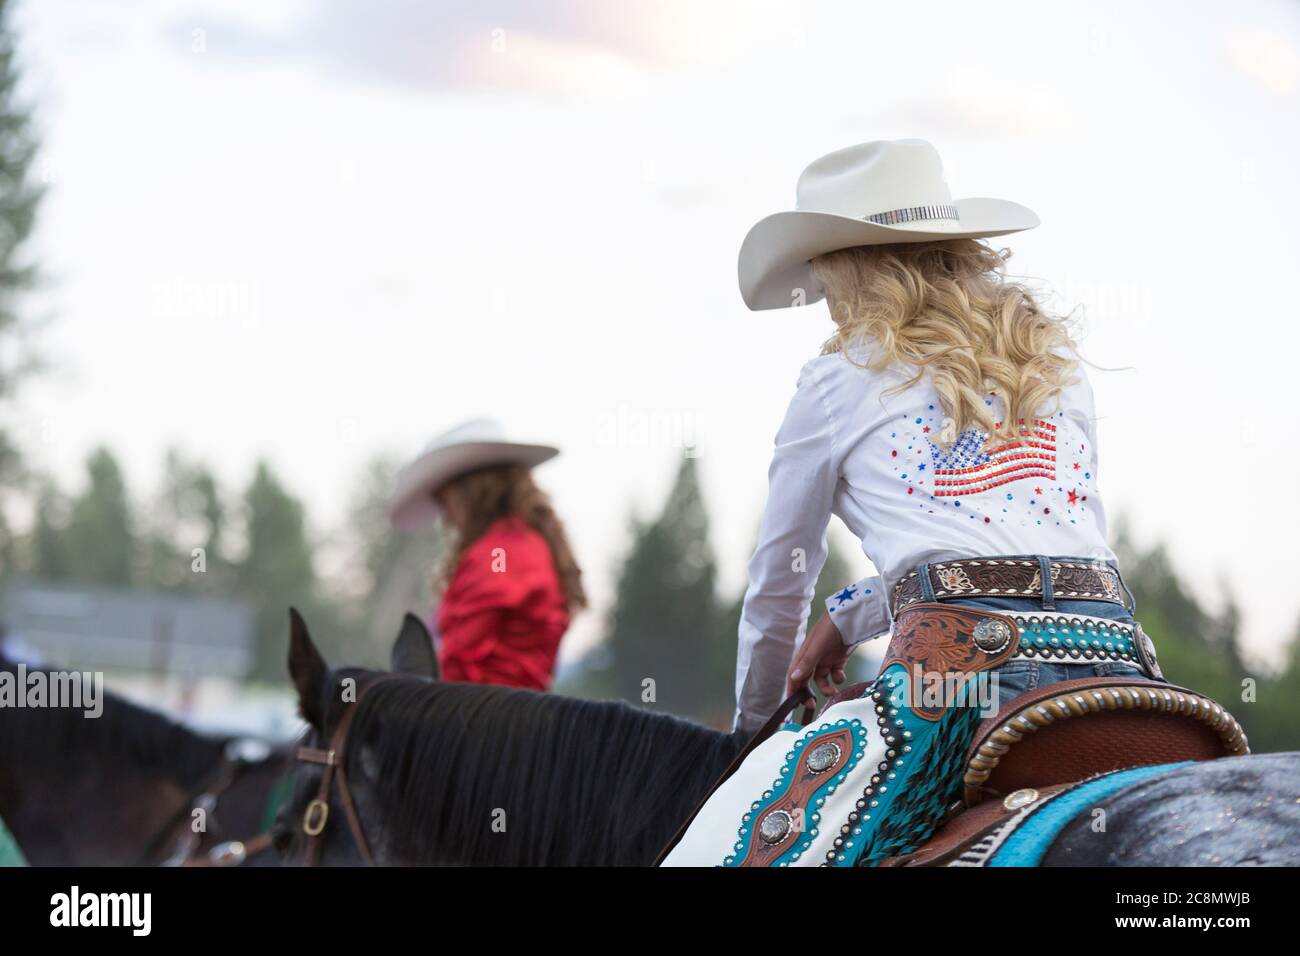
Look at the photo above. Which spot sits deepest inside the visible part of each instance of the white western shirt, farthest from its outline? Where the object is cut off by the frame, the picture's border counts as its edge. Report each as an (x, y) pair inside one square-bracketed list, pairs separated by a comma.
[(848, 447)]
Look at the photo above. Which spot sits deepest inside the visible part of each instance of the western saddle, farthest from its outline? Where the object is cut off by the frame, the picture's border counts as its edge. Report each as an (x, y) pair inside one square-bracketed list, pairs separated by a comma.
[(1053, 737)]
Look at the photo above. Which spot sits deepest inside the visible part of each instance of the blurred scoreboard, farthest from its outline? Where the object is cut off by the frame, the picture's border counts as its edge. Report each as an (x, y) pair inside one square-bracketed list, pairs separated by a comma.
[(92, 628)]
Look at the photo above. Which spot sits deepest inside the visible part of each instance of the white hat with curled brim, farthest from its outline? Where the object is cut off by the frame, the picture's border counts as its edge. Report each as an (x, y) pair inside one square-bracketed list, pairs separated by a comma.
[(872, 194), (479, 443)]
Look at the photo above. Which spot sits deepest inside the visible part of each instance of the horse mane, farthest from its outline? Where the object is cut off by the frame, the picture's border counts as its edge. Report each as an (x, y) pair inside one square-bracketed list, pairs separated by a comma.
[(52, 738), (571, 781)]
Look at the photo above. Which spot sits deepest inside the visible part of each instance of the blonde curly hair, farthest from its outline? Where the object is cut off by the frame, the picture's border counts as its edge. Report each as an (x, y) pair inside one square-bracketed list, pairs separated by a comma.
[(947, 308)]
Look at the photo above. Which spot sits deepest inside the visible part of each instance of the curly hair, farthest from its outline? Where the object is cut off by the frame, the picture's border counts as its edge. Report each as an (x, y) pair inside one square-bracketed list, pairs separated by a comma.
[(500, 491), (947, 308)]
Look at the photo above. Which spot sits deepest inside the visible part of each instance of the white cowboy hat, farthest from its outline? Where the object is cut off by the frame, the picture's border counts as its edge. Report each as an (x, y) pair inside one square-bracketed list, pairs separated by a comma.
[(477, 443), (866, 195)]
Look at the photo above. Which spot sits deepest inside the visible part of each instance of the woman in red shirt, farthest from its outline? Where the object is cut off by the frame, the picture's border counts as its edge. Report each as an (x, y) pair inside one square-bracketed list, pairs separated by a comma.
[(508, 578)]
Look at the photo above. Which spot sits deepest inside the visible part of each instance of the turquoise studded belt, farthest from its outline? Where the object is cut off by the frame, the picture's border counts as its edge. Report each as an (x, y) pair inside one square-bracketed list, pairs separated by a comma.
[(1066, 638)]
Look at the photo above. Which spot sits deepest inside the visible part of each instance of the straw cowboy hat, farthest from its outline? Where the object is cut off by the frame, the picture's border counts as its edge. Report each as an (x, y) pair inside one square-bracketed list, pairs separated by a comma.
[(478, 443), (871, 194)]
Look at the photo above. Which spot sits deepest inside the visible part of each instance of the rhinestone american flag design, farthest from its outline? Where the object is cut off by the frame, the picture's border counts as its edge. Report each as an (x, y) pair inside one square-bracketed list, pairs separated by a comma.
[(971, 465)]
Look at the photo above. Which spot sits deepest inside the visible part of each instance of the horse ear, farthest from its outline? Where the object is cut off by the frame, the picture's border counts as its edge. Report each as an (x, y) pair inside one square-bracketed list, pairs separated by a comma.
[(413, 650), (307, 669)]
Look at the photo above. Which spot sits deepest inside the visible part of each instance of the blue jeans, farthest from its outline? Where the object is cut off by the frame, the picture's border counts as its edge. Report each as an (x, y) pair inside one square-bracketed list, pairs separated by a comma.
[(1021, 676), (1018, 676)]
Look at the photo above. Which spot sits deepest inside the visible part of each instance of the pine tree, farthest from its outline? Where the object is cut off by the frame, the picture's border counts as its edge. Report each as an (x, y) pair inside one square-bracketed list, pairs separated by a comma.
[(277, 570), (99, 539), (665, 618), (47, 550), (186, 514), (835, 574), (1272, 719), (390, 570), (1195, 648), (20, 199)]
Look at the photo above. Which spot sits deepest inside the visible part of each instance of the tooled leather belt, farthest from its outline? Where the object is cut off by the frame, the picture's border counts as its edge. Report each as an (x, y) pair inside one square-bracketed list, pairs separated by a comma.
[(1034, 635), (1010, 577)]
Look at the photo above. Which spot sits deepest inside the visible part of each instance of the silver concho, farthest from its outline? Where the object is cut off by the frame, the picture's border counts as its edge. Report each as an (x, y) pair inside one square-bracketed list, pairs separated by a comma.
[(823, 757), (1020, 798), (991, 635), (775, 827), (1146, 652)]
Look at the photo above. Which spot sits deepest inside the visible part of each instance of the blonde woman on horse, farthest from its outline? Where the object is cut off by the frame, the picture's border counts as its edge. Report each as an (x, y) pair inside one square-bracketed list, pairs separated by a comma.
[(508, 582), (950, 425)]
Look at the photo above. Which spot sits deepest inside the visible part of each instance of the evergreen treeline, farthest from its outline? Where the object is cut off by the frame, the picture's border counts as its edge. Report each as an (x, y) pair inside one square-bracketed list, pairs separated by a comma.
[(668, 624), (1201, 650), (256, 546)]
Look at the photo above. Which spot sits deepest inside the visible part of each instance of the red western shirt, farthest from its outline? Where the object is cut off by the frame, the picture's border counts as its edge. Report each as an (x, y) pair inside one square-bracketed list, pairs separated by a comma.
[(503, 613)]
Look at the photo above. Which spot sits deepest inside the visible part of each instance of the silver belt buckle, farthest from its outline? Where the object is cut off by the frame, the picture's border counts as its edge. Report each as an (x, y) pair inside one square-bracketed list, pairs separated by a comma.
[(1145, 649)]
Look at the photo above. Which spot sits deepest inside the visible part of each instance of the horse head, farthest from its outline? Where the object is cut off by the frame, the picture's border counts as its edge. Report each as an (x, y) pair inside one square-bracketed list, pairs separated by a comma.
[(331, 817)]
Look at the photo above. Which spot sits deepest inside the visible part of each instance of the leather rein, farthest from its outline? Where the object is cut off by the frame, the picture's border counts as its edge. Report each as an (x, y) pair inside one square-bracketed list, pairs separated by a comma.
[(334, 759), (186, 850)]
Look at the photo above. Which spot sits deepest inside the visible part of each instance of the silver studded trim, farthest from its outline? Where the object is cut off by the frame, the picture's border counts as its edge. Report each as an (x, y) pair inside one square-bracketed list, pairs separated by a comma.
[(891, 217), (1072, 622)]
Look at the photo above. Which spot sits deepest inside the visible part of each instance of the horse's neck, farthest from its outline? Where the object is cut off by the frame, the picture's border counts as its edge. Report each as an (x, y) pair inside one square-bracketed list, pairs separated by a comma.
[(96, 800), (97, 811), (630, 792), (676, 783)]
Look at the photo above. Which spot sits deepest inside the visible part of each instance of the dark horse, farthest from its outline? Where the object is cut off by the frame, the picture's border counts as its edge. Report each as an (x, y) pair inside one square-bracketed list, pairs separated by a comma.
[(122, 788), (470, 774)]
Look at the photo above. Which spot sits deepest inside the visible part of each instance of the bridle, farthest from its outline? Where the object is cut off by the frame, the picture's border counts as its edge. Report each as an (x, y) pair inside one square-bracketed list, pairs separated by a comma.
[(186, 850), (334, 759), (228, 852)]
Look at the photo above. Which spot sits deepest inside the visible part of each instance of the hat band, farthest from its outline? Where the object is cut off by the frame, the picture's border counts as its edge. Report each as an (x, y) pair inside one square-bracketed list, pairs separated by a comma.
[(913, 213)]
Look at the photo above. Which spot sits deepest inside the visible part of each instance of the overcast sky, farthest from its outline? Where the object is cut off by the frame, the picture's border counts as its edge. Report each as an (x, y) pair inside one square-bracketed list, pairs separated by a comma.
[(312, 232)]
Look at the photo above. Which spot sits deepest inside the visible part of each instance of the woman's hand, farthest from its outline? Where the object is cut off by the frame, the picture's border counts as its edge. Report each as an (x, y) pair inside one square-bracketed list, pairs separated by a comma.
[(821, 658)]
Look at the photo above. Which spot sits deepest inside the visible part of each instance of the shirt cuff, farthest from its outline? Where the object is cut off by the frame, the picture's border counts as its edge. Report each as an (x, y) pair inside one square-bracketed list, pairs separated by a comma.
[(860, 611)]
